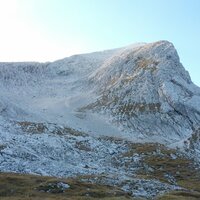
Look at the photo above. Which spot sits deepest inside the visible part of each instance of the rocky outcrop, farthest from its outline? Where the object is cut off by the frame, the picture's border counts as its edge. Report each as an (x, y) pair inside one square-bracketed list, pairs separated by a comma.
[(143, 89), (148, 92)]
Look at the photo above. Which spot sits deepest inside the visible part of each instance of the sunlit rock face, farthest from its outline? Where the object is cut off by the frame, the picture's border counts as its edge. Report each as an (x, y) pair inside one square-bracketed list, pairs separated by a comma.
[(140, 92), (148, 93)]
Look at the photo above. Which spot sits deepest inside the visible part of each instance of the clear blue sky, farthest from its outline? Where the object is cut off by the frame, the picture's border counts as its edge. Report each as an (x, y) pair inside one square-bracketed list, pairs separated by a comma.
[(44, 30)]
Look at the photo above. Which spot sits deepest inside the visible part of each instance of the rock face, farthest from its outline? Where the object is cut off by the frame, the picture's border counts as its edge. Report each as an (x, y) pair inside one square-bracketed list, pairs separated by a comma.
[(143, 89), (148, 91)]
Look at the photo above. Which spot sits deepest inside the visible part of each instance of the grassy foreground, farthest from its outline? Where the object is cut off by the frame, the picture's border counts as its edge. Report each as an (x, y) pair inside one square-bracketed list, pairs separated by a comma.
[(158, 162), (182, 169), (29, 187)]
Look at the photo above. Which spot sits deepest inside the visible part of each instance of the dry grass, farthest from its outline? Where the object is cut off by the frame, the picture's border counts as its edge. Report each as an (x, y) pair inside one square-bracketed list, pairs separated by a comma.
[(180, 195), (147, 63), (31, 127), (28, 187), (67, 131), (130, 109), (39, 128), (165, 163)]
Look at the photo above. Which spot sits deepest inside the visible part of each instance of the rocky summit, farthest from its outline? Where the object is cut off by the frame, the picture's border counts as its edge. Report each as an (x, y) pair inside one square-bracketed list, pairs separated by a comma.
[(120, 124)]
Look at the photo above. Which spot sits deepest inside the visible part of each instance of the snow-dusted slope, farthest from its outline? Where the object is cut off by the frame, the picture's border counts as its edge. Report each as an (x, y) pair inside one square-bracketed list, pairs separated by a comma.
[(140, 92), (54, 92), (54, 116)]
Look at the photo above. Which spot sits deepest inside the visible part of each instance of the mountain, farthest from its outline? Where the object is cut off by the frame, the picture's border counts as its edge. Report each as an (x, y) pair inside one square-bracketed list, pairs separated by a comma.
[(149, 93), (114, 116)]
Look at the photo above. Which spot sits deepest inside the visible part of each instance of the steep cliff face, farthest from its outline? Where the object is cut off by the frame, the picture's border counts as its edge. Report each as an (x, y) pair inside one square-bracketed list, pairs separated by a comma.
[(148, 92), (143, 89)]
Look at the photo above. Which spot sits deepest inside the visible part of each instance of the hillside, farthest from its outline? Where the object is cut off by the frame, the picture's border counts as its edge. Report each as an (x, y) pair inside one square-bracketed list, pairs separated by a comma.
[(128, 118)]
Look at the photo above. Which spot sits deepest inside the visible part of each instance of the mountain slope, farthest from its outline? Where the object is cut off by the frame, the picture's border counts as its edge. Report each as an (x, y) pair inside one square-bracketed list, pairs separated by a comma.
[(149, 93), (140, 93), (114, 116), (144, 89)]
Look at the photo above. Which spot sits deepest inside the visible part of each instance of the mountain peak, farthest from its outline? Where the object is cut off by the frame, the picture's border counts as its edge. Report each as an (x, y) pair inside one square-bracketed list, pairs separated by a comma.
[(158, 60), (162, 50), (147, 89)]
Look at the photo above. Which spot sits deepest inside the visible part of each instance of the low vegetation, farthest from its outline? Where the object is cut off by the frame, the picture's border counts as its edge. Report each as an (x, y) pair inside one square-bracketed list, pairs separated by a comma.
[(30, 187), (152, 161), (147, 63), (180, 195), (31, 127), (168, 166), (39, 128)]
